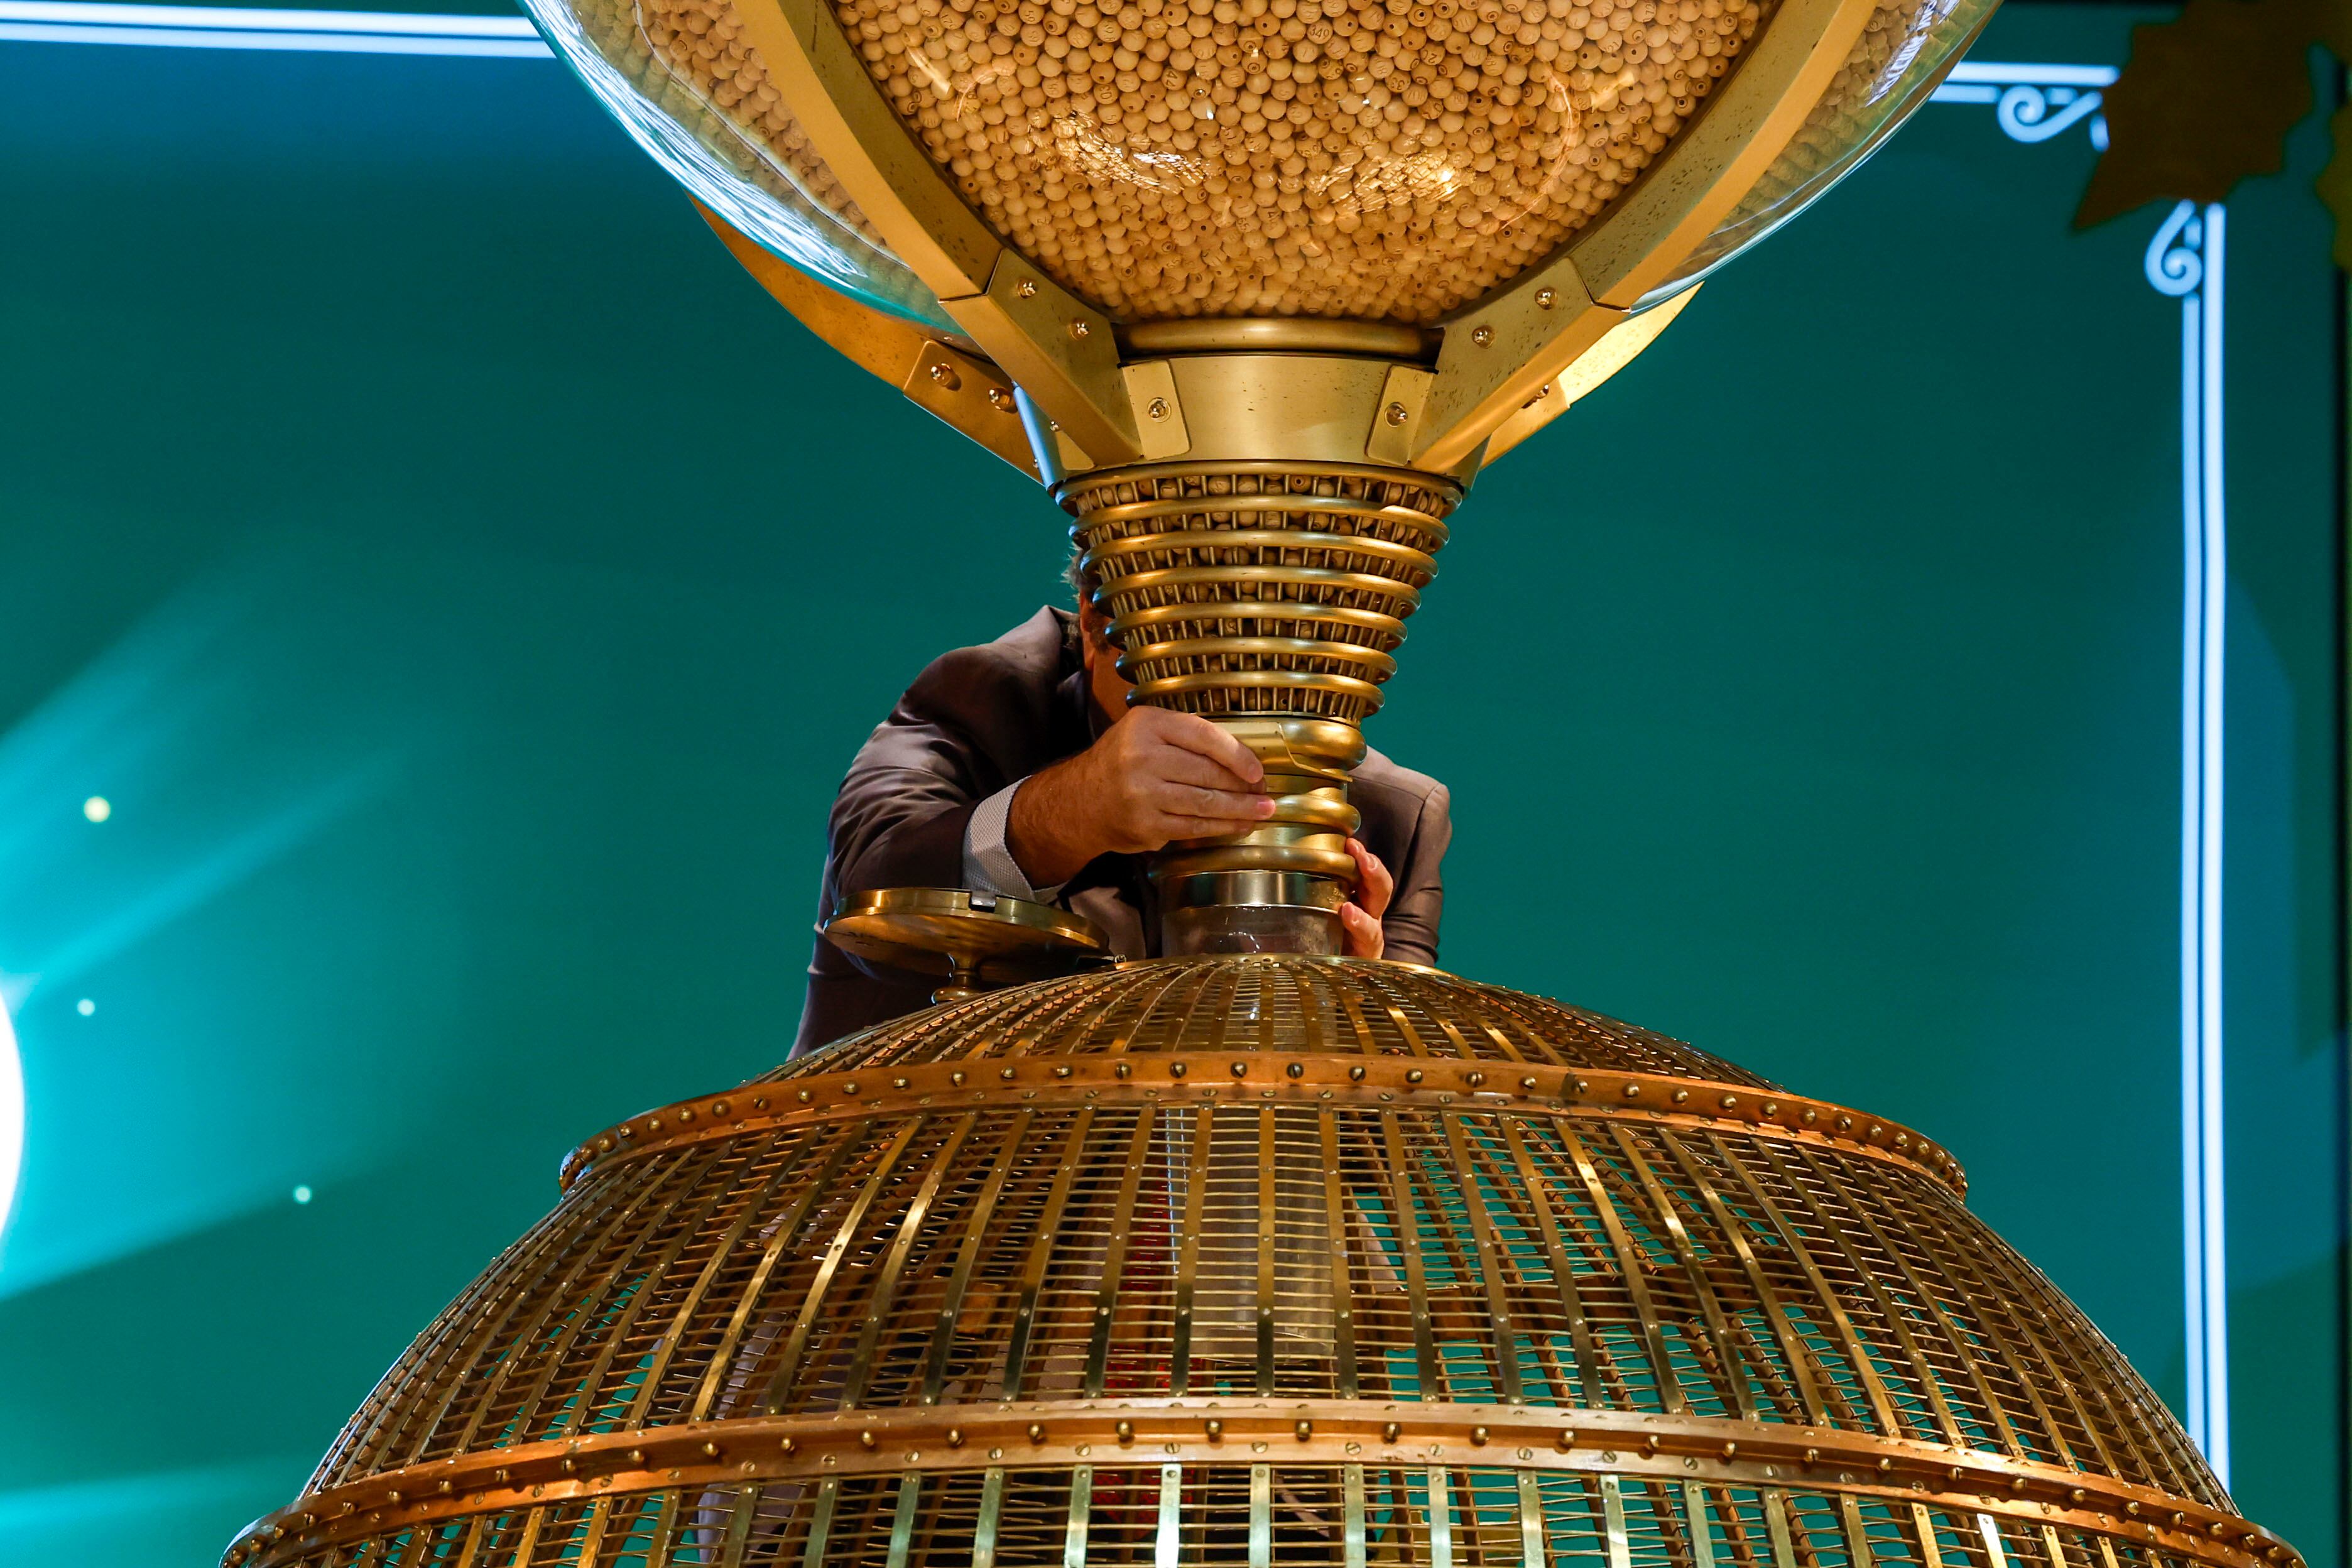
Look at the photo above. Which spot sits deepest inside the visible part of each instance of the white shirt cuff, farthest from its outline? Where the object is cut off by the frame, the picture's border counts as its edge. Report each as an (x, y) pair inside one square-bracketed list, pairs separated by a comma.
[(988, 863)]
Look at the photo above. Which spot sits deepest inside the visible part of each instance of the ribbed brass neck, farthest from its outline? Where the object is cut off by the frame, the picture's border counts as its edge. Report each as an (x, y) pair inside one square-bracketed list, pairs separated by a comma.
[(1269, 598)]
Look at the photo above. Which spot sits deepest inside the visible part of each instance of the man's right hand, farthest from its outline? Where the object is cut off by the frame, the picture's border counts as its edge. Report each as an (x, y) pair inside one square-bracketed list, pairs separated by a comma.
[(1153, 777)]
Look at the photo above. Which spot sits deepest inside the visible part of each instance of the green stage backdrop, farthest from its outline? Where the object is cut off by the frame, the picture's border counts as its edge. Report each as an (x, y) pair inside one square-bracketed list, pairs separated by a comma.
[(467, 589)]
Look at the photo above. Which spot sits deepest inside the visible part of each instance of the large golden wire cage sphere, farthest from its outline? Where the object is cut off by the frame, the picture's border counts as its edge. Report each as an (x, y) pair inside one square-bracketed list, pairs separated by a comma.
[(1260, 1259)]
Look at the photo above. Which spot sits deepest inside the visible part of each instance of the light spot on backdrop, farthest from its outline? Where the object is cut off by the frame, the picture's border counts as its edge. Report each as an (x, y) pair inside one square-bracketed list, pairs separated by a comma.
[(244, 756), (11, 1114), (57, 1524)]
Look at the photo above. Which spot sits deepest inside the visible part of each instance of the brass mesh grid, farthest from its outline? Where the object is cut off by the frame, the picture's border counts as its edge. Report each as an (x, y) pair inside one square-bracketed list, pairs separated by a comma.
[(1260, 1260), (1240, 588)]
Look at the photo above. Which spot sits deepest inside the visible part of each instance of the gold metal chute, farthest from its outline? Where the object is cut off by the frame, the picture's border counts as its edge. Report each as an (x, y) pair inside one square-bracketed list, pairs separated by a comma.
[(1061, 350), (1418, 1254), (973, 394), (1501, 349), (1058, 349), (1617, 349)]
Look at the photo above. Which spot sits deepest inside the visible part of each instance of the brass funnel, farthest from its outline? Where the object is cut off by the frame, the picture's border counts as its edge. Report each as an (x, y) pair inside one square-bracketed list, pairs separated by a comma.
[(1260, 574)]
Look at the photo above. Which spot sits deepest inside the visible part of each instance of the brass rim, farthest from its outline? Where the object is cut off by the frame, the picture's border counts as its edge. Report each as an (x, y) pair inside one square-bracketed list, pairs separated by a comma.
[(1242, 1431), (1067, 492), (970, 941), (1281, 334), (1394, 1082)]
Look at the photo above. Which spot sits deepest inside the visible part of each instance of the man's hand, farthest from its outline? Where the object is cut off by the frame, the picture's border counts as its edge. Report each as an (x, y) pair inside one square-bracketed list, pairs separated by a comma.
[(1359, 917), (1151, 778)]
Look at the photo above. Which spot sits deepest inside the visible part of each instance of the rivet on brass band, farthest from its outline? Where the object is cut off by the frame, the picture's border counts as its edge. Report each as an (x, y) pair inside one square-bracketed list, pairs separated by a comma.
[(1328, 1082), (1635, 1448)]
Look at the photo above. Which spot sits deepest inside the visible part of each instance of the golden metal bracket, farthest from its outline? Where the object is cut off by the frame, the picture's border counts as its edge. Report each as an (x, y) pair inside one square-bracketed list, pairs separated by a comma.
[(942, 376), (1062, 351), (1499, 351), (1496, 356), (1617, 349)]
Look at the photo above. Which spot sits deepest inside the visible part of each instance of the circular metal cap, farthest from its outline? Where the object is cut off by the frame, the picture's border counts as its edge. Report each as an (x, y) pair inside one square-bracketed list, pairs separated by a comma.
[(979, 941)]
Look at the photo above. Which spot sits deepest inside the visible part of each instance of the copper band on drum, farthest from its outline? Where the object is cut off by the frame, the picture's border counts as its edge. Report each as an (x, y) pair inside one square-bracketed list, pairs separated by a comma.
[(1894, 1479)]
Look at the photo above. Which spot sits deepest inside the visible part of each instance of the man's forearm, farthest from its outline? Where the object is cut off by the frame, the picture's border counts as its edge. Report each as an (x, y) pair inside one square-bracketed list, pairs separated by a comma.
[(1045, 829), (1151, 778)]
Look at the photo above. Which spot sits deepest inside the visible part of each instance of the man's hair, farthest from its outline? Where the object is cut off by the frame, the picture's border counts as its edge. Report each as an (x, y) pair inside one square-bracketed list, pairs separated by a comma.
[(1082, 582)]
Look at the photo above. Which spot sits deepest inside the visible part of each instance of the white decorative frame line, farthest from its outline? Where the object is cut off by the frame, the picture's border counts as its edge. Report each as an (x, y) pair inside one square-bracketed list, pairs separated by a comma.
[(2185, 259), (2032, 103), (234, 28)]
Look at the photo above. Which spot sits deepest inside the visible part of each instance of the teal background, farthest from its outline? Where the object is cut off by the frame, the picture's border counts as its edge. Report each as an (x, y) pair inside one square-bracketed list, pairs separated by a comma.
[(468, 589)]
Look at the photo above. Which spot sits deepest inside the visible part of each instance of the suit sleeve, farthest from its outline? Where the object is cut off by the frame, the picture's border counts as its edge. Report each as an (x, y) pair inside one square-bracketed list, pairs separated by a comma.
[(897, 822), (899, 828), (900, 816), (1408, 929)]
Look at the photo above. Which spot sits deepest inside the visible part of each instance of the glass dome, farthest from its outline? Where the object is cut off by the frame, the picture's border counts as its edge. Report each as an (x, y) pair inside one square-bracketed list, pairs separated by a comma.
[(1904, 51), (1372, 159), (686, 84), (1390, 160)]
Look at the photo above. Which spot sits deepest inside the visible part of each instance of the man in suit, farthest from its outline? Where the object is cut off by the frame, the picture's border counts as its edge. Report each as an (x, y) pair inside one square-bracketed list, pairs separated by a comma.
[(1017, 768)]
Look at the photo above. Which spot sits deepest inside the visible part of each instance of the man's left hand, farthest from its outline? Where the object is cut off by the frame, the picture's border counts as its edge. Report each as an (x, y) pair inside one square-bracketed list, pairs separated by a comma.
[(1359, 917)]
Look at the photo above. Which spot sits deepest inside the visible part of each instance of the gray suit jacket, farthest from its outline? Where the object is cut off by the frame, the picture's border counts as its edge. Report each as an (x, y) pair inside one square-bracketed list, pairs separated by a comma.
[(980, 719)]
